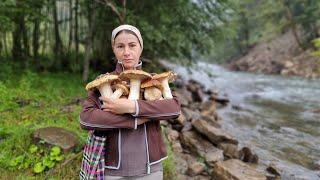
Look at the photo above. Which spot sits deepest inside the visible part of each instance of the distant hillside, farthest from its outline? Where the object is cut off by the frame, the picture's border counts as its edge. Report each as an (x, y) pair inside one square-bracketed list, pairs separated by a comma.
[(279, 56)]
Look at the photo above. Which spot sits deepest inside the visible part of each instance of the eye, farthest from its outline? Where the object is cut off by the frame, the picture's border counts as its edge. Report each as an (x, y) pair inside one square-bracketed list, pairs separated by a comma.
[(132, 45), (119, 46)]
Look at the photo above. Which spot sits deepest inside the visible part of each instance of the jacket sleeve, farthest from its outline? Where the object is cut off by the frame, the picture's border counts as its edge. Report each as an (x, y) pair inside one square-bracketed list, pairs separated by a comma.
[(93, 118), (158, 109)]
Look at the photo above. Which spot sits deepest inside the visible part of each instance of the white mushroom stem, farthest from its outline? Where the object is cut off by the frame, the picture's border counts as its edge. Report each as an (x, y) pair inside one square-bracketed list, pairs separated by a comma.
[(117, 94), (105, 90), (166, 91), (134, 89)]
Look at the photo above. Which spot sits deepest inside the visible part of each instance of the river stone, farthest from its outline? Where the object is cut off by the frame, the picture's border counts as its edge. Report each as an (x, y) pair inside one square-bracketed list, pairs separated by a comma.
[(215, 135), (208, 108), (229, 150), (181, 119), (195, 168), (189, 114), (63, 138), (184, 96), (214, 156), (196, 143), (234, 169), (246, 155)]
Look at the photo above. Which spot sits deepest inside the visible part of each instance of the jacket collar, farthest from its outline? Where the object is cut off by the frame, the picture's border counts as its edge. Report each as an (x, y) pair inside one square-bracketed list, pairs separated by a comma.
[(120, 68)]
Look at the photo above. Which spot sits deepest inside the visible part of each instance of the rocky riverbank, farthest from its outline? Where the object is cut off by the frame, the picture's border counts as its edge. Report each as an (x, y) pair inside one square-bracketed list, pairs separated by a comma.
[(202, 150), (279, 56)]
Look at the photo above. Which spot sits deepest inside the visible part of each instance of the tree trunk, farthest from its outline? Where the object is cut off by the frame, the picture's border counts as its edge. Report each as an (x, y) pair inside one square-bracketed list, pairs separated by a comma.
[(35, 40), (76, 37), (17, 53), (58, 43), (70, 25), (5, 44), (89, 41)]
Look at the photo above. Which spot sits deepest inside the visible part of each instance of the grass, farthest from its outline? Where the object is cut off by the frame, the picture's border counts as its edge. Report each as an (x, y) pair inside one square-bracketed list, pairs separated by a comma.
[(29, 101)]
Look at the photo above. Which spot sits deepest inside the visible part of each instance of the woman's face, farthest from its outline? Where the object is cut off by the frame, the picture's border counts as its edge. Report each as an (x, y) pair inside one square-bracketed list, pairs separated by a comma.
[(127, 49)]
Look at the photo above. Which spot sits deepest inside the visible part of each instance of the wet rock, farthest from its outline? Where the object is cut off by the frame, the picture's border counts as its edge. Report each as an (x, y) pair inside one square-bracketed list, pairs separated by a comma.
[(273, 170), (211, 121), (196, 143), (184, 96), (208, 108), (230, 150), (221, 100), (246, 155), (214, 134), (214, 156), (236, 170), (189, 114), (63, 138), (195, 168), (316, 165)]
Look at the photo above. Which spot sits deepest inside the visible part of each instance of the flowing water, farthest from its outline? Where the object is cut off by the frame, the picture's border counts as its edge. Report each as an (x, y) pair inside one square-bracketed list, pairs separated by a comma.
[(273, 115)]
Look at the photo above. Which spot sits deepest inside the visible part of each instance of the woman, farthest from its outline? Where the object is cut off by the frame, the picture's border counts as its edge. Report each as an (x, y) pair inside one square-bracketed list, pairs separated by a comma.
[(134, 148)]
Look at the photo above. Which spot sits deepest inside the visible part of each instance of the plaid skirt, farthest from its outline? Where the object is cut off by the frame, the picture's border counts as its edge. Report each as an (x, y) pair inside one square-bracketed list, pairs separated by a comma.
[(93, 162)]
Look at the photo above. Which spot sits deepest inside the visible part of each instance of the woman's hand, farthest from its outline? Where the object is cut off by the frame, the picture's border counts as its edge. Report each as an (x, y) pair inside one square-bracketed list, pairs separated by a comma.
[(118, 106)]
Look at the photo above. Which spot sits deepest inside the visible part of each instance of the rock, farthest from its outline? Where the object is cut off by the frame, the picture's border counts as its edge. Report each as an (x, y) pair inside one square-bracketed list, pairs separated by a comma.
[(230, 150), (273, 170), (184, 96), (246, 155), (214, 134), (173, 135), (181, 119), (214, 156), (201, 177), (177, 127), (196, 143), (316, 165), (236, 170), (195, 168), (211, 120), (208, 108), (187, 127), (56, 136), (194, 106), (222, 100), (176, 147), (180, 159), (189, 114)]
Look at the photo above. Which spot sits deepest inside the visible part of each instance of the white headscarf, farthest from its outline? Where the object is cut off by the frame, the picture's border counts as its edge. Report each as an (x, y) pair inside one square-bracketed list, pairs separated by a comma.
[(126, 27)]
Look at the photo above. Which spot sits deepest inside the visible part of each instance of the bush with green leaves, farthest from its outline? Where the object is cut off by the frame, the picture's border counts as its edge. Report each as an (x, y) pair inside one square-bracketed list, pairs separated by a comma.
[(40, 159)]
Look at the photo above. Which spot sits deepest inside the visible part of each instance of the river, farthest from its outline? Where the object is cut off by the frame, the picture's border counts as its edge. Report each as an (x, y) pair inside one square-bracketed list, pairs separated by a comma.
[(273, 115)]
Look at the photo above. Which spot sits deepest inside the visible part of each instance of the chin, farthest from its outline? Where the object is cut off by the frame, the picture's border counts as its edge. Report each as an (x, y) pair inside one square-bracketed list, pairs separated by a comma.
[(129, 65)]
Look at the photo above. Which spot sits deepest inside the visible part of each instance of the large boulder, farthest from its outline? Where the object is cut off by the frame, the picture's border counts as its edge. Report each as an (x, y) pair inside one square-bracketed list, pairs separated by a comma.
[(234, 169), (230, 150), (215, 135), (202, 147), (56, 136)]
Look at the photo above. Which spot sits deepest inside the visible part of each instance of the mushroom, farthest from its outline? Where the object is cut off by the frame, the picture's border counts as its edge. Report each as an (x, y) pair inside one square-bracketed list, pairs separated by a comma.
[(165, 78), (103, 84), (135, 76), (121, 89), (152, 90)]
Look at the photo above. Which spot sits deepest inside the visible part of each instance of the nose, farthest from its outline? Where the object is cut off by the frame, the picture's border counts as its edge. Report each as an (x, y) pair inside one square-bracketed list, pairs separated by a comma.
[(126, 51)]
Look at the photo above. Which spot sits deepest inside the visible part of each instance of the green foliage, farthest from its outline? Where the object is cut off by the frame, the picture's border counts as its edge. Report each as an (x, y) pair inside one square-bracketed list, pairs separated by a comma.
[(316, 43)]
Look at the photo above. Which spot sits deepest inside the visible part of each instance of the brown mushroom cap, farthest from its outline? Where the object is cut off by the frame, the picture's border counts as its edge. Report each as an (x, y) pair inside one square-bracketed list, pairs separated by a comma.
[(151, 83), (102, 79), (135, 74), (124, 88), (171, 76)]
